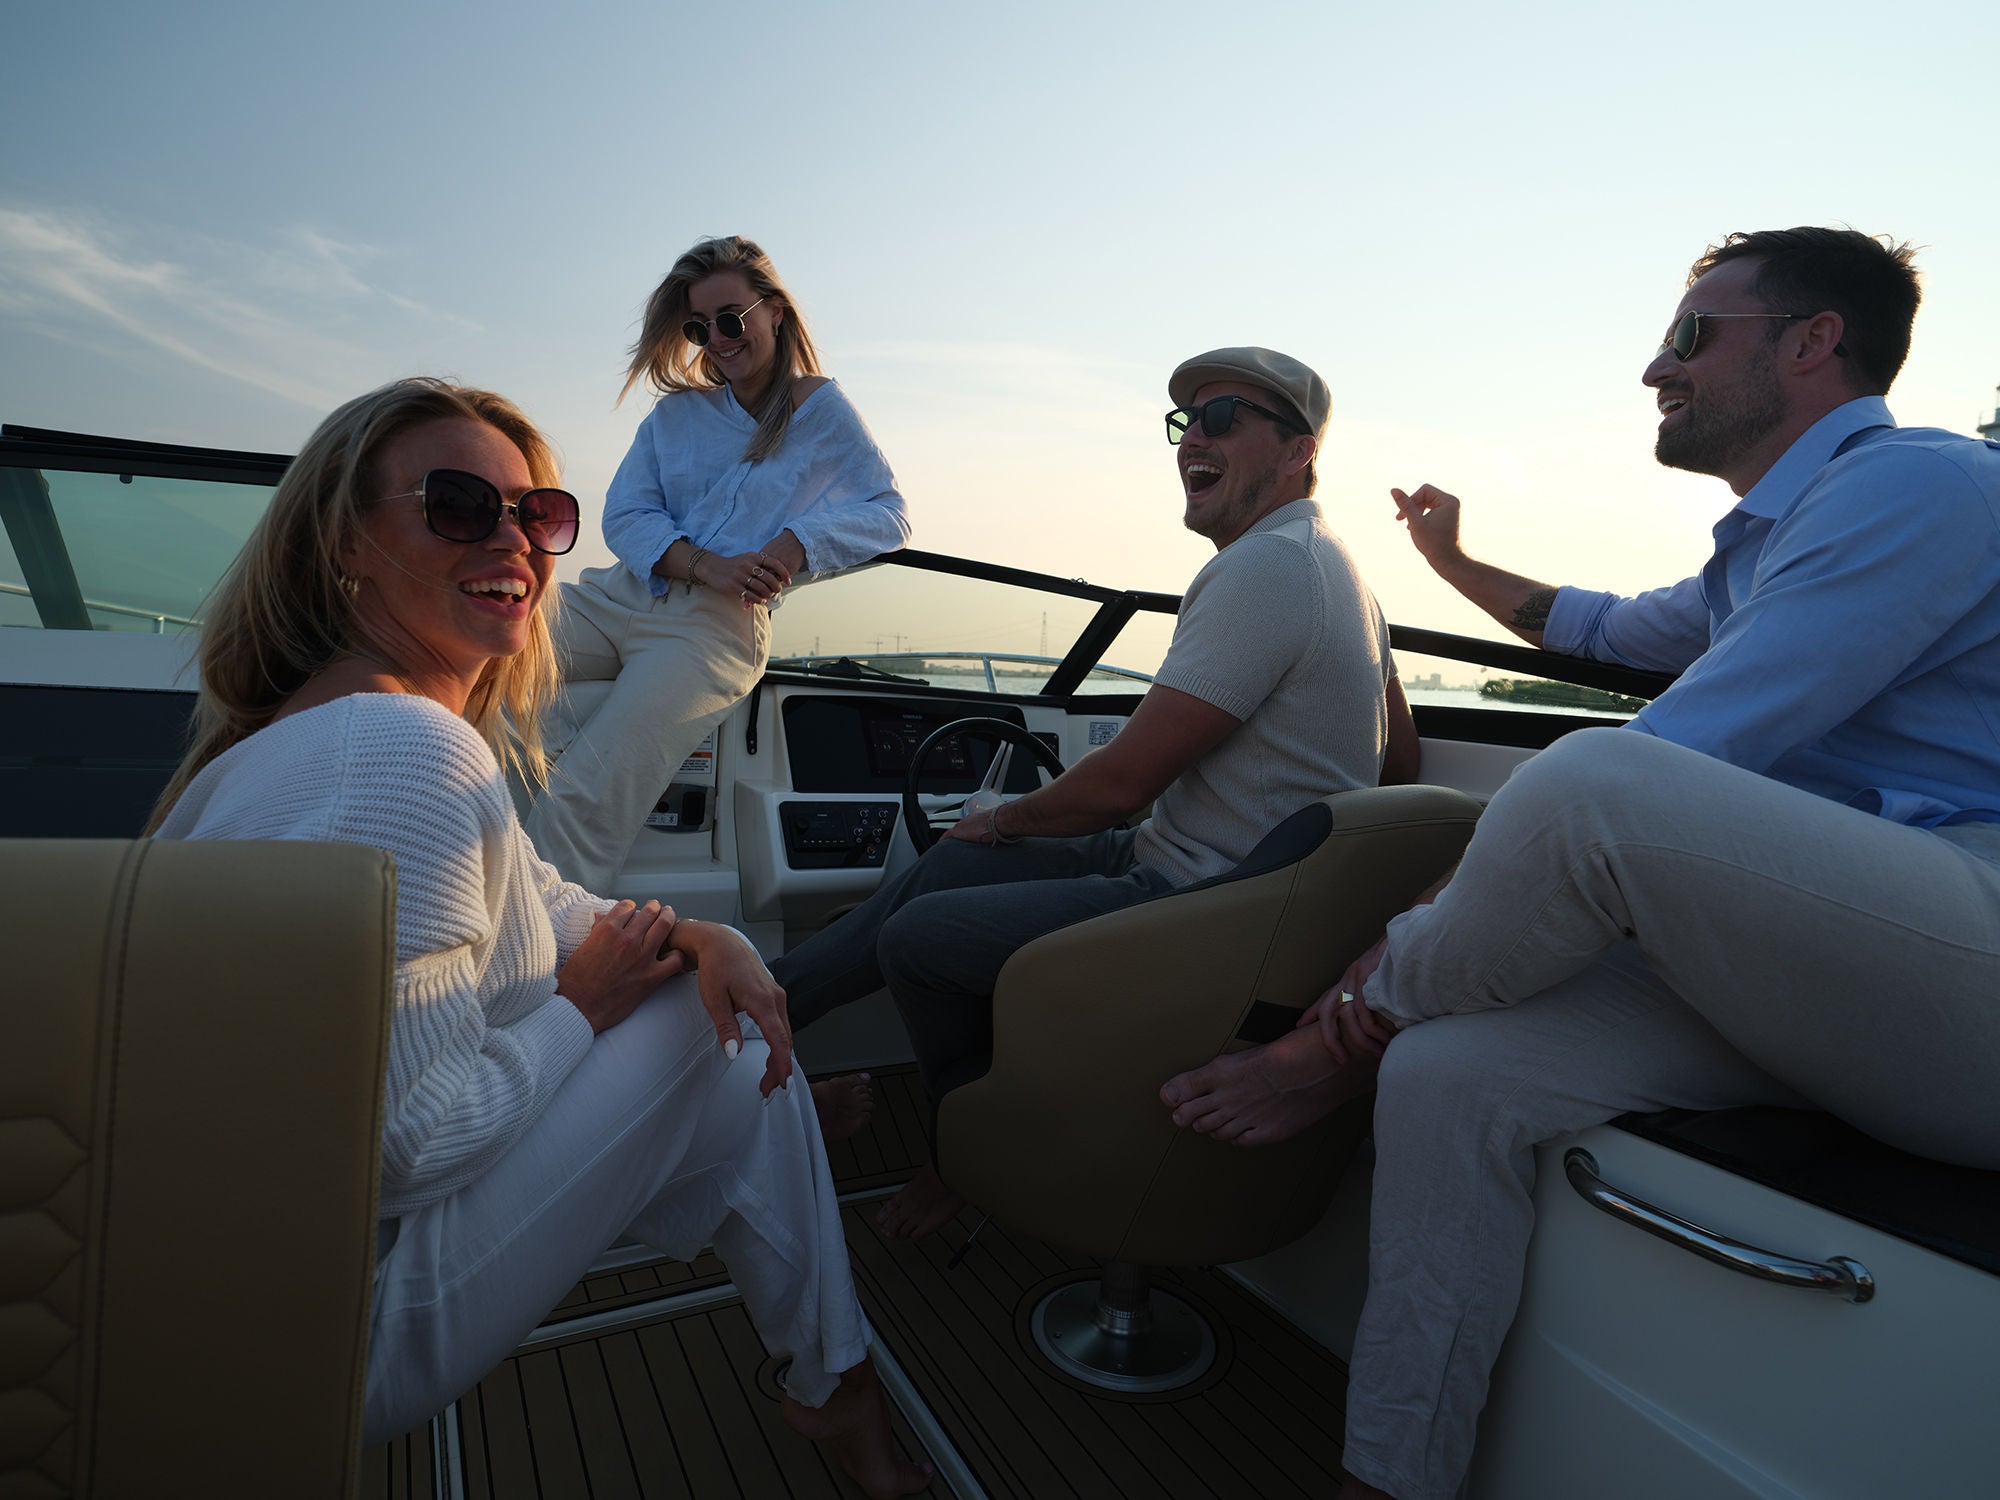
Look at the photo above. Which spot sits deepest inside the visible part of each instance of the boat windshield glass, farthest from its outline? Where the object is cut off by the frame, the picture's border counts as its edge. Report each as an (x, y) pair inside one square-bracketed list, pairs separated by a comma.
[(887, 620), (82, 551), (1439, 682)]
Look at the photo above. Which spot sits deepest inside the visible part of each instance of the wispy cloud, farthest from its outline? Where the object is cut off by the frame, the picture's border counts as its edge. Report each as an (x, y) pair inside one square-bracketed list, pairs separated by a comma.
[(252, 313)]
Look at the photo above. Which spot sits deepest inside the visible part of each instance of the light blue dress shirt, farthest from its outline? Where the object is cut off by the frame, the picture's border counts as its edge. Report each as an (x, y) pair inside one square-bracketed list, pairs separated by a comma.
[(1845, 636), (685, 476)]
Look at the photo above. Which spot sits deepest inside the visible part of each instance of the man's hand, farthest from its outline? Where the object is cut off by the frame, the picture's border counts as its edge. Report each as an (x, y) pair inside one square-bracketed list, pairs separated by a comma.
[(1346, 1025), (1432, 517), (1520, 603), (980, 827)]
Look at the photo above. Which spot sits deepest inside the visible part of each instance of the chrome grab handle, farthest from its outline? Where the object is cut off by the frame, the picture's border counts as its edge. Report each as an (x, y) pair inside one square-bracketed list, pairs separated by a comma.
[(1838, 1274)]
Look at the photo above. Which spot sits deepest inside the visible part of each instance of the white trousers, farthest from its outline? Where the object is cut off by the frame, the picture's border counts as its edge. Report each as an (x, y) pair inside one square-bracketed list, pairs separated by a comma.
[(1635, 927), (676, 664), (655, 1135)]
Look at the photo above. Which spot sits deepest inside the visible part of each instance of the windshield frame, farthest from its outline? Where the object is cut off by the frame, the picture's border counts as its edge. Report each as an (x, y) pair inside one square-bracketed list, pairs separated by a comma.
[(33, 448)]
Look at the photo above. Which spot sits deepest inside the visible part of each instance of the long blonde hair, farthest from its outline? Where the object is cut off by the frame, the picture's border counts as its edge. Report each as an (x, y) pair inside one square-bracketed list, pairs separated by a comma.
[(280, 614), (666, 361)]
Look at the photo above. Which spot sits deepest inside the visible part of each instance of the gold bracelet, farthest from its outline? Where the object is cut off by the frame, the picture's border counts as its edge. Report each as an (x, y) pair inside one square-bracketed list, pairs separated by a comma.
[(693, 563)]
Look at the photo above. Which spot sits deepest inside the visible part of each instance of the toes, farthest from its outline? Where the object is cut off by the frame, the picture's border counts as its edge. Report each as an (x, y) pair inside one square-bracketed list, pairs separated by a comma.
[(1232, 1129)]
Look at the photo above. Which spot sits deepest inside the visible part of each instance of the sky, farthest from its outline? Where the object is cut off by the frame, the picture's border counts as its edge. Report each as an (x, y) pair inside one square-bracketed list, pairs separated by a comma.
[(1005, 226)]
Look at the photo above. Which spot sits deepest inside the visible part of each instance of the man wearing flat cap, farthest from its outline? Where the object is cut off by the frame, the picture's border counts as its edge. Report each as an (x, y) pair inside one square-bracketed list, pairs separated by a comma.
[(1278, 689)]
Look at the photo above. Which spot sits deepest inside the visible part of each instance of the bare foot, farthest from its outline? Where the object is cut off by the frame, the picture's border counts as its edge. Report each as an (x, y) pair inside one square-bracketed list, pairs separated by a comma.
[(1263, 1095), (844, 1105), (924, 1204), (853, 1427)]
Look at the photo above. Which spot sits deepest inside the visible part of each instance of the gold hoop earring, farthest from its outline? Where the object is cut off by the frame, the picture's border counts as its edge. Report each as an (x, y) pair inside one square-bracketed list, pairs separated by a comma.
[(349, 586)]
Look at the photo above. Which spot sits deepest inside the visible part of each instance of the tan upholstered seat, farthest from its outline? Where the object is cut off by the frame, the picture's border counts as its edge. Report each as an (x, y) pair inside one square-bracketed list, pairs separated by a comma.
[(192, 1043), (1065, 1137)]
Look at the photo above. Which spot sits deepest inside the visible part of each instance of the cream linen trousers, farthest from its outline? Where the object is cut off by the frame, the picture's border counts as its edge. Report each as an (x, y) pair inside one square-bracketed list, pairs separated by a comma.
[(1637, 926), (677, 664), (657, 1136)]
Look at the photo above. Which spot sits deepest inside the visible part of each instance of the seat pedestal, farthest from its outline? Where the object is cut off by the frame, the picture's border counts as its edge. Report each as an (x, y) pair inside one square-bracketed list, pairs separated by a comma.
[(1120, 1334)]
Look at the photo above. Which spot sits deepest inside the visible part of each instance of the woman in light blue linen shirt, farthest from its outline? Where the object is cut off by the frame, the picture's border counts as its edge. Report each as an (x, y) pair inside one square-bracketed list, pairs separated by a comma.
[(751, 473)]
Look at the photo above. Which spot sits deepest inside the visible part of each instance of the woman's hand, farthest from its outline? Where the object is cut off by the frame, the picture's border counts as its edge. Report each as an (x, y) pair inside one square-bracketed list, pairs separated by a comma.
[(620, 962), (754, 577), (788, 550), (733, 978), (1346, 1025)]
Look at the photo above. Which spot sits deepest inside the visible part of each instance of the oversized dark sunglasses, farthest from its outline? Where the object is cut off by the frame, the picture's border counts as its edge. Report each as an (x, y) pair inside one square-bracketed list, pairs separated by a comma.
[(1217, 416), (1687, 333), (728, 324), (462, 507)]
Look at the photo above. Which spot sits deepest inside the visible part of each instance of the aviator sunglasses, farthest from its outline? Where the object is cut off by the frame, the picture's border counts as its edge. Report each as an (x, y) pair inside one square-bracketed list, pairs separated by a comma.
[(1218, 416), (1687, 333), (462, 507), (728, 324)]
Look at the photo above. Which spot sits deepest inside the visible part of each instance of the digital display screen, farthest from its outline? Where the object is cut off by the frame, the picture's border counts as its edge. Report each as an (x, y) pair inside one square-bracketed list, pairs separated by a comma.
[(893, 741), (851, 743)]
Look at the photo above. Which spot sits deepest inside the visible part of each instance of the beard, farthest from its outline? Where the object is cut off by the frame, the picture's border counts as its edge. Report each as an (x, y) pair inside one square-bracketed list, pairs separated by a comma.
[(1723, 426), (1233, 516)]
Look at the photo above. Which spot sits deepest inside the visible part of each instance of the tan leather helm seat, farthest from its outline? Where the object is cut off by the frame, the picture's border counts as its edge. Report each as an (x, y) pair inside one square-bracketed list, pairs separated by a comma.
[(1065, 1136), (190, 1133)]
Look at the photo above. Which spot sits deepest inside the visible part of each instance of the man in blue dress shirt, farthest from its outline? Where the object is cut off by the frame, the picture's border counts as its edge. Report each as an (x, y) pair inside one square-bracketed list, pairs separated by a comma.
[(1780, 884)]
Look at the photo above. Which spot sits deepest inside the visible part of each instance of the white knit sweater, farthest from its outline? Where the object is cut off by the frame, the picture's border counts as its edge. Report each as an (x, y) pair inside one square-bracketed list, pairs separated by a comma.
[(480, 1040)]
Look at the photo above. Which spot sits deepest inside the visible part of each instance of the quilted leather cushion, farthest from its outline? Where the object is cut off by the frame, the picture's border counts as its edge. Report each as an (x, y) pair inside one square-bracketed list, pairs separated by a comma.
[(190, 1126)]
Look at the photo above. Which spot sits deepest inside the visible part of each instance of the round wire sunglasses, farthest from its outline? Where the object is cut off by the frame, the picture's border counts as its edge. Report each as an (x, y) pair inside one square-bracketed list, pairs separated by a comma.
[(462, 507), (728, 324)]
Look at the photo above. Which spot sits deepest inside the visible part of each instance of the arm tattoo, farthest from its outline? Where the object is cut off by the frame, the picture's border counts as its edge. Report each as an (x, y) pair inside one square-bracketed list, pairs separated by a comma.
[(1534, 611)]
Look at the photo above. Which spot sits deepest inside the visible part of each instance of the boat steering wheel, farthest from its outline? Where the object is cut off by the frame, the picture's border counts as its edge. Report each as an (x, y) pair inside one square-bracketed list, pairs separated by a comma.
[(917, 821)]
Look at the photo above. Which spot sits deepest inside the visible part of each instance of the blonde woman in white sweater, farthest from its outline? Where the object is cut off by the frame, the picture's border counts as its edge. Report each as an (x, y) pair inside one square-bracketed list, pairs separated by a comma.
[(562, 1069)]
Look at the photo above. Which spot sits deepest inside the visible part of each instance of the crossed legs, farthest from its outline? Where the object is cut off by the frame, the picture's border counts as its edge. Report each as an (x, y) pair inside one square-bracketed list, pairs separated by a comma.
[(1637, 926)]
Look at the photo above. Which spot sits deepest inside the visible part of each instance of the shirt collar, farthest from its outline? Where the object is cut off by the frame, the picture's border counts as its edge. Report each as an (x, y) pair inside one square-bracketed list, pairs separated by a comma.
[(1284, 515), (1778, 491)]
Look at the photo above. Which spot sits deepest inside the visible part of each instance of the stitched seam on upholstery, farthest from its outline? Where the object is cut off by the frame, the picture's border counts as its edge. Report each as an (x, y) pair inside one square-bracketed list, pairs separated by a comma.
[(126, 891), (1256, 983), (358, 1382)]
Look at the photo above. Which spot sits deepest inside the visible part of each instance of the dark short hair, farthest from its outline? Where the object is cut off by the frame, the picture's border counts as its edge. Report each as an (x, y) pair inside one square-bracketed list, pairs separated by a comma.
[(1870, 280)]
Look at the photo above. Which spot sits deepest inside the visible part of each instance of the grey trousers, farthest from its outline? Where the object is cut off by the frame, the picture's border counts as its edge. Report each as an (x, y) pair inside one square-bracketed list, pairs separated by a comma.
[(938, 935), (1637, 926)]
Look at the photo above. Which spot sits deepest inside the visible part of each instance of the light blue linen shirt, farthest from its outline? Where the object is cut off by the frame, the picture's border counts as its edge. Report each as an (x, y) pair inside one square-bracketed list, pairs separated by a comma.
[(1845, 636), (685, 476)]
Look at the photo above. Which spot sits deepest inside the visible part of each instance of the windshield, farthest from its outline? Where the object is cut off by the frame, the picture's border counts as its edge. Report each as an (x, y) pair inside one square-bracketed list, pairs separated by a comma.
[(85, 551), (900, 619)]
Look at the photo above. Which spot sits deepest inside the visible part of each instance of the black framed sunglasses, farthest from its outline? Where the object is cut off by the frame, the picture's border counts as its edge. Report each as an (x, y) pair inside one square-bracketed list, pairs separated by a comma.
[(1686, 336), (462, 507), (728, 324), (1218, 415)]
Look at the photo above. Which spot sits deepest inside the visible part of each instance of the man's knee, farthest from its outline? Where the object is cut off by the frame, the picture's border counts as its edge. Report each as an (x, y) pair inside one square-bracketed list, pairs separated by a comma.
[(919, 948), (951, 865), (1607, 781)]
